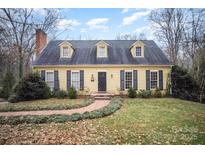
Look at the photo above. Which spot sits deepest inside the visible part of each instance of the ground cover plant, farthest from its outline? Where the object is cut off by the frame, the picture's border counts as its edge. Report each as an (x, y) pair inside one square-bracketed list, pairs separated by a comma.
[(114, 105), (46, 104)]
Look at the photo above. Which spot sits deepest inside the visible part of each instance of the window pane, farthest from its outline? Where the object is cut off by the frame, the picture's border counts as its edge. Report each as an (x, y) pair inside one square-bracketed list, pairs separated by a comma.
[(138, 51), (76, 80), (153, 84), (154, 80), (153, 75), (128, 80), (50, 76), (65, 51), (101, 52), (50, 79)]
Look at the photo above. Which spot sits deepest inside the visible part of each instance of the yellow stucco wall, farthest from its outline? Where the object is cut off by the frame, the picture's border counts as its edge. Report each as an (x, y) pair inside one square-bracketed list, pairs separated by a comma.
[(113, 83)]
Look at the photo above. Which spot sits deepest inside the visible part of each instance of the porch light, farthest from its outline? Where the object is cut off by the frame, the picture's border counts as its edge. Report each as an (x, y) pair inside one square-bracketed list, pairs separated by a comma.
[(92, 78)]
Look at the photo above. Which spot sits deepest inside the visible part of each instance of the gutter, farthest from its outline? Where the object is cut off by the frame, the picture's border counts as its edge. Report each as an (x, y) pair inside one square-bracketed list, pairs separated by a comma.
[(98, 65)]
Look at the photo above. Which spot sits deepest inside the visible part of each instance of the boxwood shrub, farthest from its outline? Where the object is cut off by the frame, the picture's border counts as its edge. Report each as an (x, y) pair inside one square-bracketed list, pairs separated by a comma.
[(72, 93), (132, 93), (60, 94), (144, 94), (157, 93)]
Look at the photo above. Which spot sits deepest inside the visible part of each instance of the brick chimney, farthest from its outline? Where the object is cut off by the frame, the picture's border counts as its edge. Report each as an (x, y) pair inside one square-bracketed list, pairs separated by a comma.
[(41, 41)]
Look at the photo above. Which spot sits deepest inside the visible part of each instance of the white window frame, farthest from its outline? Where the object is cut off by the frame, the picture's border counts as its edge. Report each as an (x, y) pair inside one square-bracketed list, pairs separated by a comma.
[(50, 81), (136, 51), (125, 78), (72, 78), (104, 55), (63, 52), (157, 79)]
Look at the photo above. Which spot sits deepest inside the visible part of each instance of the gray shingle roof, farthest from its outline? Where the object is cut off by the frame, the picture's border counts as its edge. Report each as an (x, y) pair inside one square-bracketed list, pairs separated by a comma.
[(118, 53)]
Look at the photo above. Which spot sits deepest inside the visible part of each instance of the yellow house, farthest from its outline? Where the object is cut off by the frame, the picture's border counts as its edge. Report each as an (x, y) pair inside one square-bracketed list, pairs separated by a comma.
[(111, 66)]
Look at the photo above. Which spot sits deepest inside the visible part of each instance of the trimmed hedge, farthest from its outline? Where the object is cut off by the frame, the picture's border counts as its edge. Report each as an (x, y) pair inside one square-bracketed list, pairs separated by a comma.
[(113, 106), (145, 93)]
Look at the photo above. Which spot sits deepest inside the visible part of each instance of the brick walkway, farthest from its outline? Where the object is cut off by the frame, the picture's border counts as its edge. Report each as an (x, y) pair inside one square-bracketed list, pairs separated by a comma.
[(94, 106)]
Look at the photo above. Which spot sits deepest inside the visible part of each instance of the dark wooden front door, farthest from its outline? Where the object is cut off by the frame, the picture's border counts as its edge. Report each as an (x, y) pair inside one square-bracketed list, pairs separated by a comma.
[(101, 81)]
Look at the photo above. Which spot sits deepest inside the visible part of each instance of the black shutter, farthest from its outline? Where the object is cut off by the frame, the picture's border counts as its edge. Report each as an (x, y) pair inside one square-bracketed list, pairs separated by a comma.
[(56, 81), (122, 80), (43, 72), (81, 80), (68, 79), (147, 79), (160, 79), (135, 84)]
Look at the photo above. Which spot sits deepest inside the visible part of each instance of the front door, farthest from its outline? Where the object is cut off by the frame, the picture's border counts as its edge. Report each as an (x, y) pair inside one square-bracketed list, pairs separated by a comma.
[(101, 81)]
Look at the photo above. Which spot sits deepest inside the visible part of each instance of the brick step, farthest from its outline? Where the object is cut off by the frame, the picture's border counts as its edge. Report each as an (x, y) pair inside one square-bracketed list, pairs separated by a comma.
[(102, 98), (101, 95)]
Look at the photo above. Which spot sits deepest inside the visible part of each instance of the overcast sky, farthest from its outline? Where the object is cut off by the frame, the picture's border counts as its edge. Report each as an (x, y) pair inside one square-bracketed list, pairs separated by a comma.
[(103, 23)]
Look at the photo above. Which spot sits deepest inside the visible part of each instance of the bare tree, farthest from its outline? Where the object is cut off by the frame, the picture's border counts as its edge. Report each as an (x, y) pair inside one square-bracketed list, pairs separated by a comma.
[(194, 29), (141, 36), (198, 71), (168, 25), (19, 29), (8, 56)]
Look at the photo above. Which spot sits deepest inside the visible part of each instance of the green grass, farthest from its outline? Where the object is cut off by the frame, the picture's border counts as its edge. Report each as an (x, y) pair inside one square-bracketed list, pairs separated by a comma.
[(47, 104), (139, 121), (158, 121)]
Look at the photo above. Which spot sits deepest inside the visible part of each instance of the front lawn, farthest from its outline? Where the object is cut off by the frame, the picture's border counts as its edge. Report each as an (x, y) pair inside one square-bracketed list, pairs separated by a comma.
[(139, 121), (46, 104)]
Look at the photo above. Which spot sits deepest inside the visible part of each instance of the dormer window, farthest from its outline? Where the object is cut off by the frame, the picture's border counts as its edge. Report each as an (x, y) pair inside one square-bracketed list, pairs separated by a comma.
[(102, 49), (138, 52), (137, 49), (66, 50)]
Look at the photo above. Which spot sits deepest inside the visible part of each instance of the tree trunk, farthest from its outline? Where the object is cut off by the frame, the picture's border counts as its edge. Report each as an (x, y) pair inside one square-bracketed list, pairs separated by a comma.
[(20, 66)]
